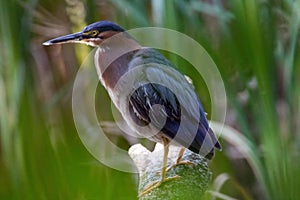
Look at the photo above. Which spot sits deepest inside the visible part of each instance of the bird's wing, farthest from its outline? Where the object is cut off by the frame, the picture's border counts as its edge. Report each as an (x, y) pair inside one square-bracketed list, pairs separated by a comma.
[(159, 70), (145, 99), (181, 111)]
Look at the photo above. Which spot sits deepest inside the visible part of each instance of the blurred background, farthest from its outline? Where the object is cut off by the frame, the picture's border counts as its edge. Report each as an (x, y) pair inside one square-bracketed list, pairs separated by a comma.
[(255, 45)]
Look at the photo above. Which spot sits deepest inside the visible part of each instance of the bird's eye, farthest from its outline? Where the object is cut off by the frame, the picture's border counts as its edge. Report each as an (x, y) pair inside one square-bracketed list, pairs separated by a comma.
[(94, 33)]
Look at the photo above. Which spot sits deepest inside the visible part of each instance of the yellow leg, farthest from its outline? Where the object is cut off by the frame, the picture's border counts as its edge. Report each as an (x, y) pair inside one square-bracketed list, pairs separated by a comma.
[(165, 159), (163, 171), (181, 152), (179, 161)]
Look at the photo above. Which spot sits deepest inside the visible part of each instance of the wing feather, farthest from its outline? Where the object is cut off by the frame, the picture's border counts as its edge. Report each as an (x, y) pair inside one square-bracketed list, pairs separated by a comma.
[(165, 86)]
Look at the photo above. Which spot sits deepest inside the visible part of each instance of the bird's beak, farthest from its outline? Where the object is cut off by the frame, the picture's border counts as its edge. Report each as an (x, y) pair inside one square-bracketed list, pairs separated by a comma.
[(71, 38)]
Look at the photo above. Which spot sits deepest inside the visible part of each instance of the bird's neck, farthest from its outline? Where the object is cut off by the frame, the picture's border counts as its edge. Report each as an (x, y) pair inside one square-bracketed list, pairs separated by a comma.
[(113, 56)]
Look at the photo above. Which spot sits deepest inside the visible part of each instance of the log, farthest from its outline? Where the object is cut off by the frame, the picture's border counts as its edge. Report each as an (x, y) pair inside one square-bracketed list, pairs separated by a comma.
[(192, 183)]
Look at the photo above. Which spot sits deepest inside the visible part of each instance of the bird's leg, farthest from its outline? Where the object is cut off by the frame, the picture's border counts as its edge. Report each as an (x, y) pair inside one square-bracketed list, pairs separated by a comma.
[(179, 161), (163, 171), (181, 152), (165, 160)]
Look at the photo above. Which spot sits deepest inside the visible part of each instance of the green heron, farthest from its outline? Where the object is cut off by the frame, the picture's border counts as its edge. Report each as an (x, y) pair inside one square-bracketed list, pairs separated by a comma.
[(179, 118)]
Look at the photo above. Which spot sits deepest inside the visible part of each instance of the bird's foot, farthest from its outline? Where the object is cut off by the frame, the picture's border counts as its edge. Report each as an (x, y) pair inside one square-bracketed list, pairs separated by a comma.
[(180, 163), (185, 162), (156, 184)]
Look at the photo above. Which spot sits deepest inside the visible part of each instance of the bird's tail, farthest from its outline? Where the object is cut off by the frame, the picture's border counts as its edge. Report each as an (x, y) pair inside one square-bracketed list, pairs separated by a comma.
[(214, 139)]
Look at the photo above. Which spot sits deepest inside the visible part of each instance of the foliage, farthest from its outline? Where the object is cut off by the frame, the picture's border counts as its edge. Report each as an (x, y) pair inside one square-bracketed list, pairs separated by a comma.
[(254, 43)]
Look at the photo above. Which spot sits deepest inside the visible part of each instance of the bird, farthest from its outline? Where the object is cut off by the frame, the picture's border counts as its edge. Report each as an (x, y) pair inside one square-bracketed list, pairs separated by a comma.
[(154, 98)]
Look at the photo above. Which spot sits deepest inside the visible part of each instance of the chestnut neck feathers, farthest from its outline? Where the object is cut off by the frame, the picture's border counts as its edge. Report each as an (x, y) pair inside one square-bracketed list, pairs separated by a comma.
[(113, 56)]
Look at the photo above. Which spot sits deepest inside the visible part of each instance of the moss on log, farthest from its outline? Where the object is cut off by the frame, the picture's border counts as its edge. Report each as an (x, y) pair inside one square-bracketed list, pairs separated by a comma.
[(192, 183)]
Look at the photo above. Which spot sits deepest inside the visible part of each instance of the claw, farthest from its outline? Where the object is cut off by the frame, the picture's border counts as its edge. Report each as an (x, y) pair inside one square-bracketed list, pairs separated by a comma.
[(185, 162), (180, 163), (156, 184)]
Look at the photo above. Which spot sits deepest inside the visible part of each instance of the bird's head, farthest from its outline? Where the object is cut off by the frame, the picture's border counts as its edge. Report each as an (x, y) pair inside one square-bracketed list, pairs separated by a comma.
[(93, 35)]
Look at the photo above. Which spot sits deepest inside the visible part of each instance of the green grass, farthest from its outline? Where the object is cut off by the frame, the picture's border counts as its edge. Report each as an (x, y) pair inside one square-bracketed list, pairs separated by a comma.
[(255, 45)]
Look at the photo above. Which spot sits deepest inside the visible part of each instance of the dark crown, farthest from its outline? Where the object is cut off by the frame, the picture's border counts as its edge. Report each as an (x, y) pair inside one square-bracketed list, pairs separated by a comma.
[(103, 26)]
